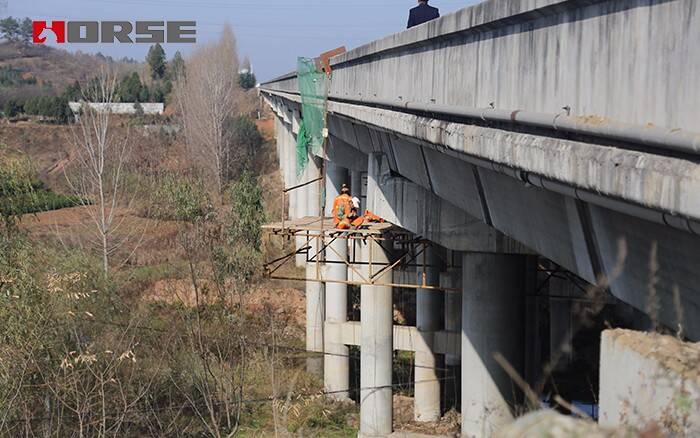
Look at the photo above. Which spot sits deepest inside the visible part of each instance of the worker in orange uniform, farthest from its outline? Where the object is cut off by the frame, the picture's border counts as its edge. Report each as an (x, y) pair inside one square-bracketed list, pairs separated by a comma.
[(342, 209)]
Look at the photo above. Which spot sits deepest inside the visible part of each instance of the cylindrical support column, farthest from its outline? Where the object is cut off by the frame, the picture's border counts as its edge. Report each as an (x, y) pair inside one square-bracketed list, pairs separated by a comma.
[(336, 375), (452, 279), (376, 346), (429, 319), (492, 322), (357, 187), (315, 300), (336, 358), (336, 176)]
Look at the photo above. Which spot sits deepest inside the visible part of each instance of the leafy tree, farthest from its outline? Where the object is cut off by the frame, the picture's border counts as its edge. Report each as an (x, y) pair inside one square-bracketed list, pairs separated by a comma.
[(247, 213), (245, 135), (240, 257), (247, 80), (182, 199), (177, 66), (156, 61), (12, 108), (10, 29), (26, 30), (16, 189)]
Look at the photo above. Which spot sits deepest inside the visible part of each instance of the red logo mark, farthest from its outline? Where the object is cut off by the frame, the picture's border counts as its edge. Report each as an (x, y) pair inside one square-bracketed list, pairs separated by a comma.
[(40, 27)]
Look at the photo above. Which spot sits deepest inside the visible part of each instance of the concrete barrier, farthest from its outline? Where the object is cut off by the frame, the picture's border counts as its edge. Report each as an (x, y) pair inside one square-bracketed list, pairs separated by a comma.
[(649, 378)]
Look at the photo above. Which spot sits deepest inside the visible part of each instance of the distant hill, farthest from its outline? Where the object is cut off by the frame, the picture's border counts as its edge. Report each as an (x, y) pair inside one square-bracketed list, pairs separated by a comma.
[(33, 70)]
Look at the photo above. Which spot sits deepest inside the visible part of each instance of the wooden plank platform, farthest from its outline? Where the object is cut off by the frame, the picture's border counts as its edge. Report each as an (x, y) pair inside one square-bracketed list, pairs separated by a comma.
[(312, 224)]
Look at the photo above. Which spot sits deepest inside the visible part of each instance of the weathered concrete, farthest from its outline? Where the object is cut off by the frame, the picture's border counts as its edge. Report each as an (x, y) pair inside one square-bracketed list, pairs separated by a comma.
[(376, 350), (336, 176), (551, 424), (336, 357), (414, 208), (429, 319), (452, 279), (406, 338), (492, 322), (575, 233), (315, 293), (647, 378), (581, 48)]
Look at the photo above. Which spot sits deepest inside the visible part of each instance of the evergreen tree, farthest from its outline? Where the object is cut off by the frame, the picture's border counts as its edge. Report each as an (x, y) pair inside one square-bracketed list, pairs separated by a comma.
[(26, 30), (156, 61), (177, 66), (12, 108), (10, 29), (247, 80), (131, 89), (73, 92)]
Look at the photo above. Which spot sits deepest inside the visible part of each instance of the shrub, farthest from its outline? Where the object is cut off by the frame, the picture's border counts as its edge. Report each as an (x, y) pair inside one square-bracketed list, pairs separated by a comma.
[(181, 199)]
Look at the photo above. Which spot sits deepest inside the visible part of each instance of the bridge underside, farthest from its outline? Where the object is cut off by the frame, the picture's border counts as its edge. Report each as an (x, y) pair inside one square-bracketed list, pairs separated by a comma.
[(464, 201)]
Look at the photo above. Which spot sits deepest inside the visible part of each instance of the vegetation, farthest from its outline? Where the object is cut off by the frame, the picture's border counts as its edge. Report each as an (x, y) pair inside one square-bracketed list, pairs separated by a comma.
[(179, 339), (247, 80), (12, 77), (156, 61), (177, 66), (13, 29), (53, 107), (21, 192)]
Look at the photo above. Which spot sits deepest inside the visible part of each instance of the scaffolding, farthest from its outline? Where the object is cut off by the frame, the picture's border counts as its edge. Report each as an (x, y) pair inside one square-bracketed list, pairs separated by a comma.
[(402, 248)]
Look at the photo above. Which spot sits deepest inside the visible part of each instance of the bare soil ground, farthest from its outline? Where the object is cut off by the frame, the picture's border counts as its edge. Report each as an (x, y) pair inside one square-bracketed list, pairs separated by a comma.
[(449, 424)]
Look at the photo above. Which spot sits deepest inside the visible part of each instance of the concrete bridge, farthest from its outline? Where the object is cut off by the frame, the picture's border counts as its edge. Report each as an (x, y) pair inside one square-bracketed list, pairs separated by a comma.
[(564, 129)]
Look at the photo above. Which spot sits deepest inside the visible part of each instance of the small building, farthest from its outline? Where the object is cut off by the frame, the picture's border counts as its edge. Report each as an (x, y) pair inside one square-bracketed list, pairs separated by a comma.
[(120, 108)]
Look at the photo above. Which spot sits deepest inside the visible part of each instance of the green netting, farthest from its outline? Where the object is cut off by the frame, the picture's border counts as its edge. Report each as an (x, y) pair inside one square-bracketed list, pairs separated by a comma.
[(313, 87), (302, 149)]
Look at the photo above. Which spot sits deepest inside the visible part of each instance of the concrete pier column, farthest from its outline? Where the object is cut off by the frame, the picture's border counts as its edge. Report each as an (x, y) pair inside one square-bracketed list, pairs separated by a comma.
[(452, 279), (376, 348), (336, 176), (336, 375), (492, 322), (336, 359), (429, 319), (315, 300), (357, 187)]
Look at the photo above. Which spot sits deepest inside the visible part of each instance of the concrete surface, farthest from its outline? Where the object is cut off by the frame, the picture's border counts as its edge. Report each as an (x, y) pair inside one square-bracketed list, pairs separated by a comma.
[(647, 378), (551, 424), (492, 323)]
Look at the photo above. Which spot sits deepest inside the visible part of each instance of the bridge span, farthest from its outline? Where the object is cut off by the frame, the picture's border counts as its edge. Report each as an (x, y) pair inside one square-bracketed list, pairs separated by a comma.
[(507, 133)]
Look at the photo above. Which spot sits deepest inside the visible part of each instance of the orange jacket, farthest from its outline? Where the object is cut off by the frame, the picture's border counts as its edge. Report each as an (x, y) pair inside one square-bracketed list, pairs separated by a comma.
[(342, 205)]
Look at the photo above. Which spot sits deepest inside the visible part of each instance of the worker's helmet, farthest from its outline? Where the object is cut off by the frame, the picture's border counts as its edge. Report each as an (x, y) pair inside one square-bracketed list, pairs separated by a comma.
[(356, 203), (345, 189)]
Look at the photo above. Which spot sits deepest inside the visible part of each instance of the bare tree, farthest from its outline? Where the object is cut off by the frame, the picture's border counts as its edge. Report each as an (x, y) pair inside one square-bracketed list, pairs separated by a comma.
[(101, 153), (209, 98)]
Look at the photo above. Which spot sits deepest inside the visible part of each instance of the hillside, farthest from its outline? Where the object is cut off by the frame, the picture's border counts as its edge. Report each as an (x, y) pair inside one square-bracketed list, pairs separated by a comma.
[(32, 70)]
